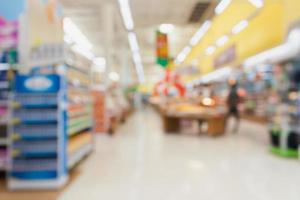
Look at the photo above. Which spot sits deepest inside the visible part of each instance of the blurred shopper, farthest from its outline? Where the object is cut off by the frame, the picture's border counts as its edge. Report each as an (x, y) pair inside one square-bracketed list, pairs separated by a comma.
[(233, 100)]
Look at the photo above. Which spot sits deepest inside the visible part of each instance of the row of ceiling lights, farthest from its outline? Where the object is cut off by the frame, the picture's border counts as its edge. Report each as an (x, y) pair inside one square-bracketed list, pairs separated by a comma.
[(221, 7), (80, 44), (129, 25)]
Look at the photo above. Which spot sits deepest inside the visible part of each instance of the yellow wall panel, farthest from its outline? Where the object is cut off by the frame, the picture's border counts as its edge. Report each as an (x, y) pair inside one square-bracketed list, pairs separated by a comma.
[(292, 10)]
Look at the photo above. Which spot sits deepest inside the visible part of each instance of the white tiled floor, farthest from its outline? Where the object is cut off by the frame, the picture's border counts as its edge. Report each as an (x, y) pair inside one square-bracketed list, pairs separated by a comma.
[(142, 163)]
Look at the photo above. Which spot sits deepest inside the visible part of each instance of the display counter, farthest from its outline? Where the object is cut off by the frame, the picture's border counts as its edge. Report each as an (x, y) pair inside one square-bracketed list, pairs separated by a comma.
[(213, 117)]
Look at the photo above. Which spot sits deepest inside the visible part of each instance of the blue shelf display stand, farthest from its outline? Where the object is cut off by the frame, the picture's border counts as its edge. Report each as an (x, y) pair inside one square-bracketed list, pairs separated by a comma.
[(37, 132)]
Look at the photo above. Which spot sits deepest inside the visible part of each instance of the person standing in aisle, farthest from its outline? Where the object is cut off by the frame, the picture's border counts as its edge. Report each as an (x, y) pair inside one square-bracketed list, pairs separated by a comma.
[(233, 100)]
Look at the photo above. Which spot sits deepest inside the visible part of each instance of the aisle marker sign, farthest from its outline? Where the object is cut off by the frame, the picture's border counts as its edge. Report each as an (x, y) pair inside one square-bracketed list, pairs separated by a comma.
[(162, 49)]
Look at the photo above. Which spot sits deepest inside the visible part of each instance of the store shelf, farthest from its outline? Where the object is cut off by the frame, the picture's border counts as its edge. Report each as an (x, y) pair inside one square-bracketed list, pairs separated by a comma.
[(3, 142), (16, 184), (4, 66), (77, 142), (84, 125), (80, 119), (78, 110), (72, 65), (37, 156), (76, 157)]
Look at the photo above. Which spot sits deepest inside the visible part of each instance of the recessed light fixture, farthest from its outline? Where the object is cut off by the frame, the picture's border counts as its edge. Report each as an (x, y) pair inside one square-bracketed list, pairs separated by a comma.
[(200, 33), (257, 3), (166, 28), (240, 26), (222, 40), (221, 7), (210, 50), (183, 54)]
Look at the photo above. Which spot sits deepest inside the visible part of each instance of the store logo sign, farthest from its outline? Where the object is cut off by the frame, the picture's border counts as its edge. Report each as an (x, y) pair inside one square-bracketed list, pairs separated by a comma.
[(38, 83)]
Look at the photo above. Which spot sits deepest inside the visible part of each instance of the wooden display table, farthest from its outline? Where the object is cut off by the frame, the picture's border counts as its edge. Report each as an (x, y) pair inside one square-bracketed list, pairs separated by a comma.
[(216, 120)]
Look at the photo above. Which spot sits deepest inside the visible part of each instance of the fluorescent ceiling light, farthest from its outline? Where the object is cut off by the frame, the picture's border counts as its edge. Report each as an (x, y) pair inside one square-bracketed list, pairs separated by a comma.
[(68, 39), (183, 54), (166, 28), (137, 57), (240, 26), (200, 33), (257, 3), (221, 7), (138, 66), (140, 72), (222, 40), (126, 14), (114, 76), (210, 50), (133, 42), (74, 34)]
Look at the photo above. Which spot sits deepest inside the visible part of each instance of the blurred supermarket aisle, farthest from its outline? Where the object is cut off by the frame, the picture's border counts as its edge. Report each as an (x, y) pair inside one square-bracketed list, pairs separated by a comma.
[(142, 163)]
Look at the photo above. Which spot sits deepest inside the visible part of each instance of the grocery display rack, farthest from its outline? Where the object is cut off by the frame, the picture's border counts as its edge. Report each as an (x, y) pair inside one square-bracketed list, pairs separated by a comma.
[(80, 113), (5, 88), (37, 132)]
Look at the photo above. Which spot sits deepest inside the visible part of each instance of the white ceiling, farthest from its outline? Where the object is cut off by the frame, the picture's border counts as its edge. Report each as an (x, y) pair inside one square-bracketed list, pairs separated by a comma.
[(147, 15)]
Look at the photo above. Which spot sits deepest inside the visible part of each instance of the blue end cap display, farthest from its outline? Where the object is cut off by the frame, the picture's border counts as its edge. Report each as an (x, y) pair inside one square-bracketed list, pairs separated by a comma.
[(37, 83)]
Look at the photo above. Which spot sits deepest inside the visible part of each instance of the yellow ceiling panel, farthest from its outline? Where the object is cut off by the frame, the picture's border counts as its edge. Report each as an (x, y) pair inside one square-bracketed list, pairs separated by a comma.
[(264, 31)]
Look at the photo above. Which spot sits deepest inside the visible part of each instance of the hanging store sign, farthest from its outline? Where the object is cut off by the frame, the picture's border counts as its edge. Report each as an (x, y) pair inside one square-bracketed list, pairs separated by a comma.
[(162, 49), (225, 57)]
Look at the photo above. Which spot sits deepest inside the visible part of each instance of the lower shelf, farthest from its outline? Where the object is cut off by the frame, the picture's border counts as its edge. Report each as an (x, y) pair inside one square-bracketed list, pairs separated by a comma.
[(14, 184), (77, 156)]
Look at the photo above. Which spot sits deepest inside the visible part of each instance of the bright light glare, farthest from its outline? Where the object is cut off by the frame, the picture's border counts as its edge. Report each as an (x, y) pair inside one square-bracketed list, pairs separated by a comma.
[(88, 54), (126, 14), (216, 75), (166, 28), (133, 42), (222, 40), (99, 64), (137, 58), (210, 50), (183, 54), (74, 34), (200, 33), (114, 76), (208, 101), (240, 26), (257, 3), (221, 7)]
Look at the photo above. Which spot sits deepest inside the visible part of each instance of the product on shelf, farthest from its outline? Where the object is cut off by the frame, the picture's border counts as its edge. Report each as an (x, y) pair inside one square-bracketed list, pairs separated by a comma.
[(100, 113), (81, 121), (285, 112), (38, 152), (6, 74)]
